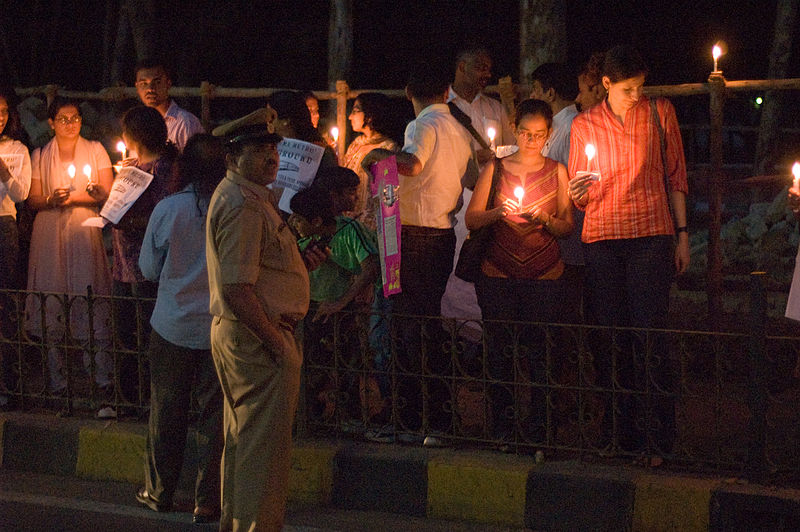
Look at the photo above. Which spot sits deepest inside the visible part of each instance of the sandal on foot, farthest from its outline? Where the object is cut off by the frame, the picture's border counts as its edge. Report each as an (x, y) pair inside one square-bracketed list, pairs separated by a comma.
[(146, 499)]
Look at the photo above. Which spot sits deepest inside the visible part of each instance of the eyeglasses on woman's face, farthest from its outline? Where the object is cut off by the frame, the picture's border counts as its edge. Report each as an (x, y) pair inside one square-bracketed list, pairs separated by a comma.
[(67, 120)]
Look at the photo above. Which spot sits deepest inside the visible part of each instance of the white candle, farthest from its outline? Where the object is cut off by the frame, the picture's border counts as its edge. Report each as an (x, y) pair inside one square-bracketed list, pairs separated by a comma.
[(590, 151), (335, 133), (796, 173), (716, 52), (519, 192), (122, 149), (87, 171)]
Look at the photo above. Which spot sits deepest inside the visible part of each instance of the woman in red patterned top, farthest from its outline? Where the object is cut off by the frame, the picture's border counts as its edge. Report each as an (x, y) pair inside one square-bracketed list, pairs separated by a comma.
[(522, 271)]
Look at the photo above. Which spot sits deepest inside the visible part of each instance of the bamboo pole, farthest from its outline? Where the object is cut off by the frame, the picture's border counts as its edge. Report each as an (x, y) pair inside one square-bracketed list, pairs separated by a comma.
[(342, 93), (717, 86), (206, 95)]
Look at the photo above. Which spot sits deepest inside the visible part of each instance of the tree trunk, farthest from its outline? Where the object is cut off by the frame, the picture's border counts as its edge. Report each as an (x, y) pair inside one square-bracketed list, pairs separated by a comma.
[(769, 134), (340, 42), (111, 17), (542, 34), (137, 20)]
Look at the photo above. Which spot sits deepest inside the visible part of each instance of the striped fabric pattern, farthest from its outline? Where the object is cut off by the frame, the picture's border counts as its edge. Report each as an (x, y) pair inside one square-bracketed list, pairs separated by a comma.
[(521, 249), (629, 201)]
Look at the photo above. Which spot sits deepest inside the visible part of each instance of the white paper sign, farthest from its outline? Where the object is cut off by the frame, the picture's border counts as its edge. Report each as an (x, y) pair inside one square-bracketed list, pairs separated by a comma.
[(128, 186), (13, 162), (299, 161)]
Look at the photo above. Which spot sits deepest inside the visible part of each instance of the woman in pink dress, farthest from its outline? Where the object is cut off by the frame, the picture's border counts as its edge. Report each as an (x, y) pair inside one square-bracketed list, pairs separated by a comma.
[(70, 178)]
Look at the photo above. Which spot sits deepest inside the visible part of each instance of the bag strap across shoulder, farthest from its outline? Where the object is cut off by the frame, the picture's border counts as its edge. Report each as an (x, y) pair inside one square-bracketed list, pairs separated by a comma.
[(663, 144)]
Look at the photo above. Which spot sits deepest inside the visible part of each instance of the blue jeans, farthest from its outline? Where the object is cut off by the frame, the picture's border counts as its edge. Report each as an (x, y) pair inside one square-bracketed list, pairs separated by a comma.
[(426, 263), (628, 283)]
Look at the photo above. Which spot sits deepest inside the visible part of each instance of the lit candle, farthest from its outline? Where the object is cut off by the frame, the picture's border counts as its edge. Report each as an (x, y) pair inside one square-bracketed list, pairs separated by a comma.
[(519, 192), (335, 133), (716, 52), (71, 171), (491, 133), (590, 151), (796, 173), (122, 149), (87, 171)]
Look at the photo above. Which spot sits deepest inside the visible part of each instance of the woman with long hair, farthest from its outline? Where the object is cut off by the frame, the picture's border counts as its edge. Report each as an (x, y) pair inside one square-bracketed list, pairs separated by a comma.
[(521, 273), (174, 255), (371, 117), (15, 182), (70, 179)]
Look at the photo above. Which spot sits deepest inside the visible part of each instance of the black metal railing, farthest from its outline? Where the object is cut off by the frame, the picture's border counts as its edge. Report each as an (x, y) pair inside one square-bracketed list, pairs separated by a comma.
[(723, 401)]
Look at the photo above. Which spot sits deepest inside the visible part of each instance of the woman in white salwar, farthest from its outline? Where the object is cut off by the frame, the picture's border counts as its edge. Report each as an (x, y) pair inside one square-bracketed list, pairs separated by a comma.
[(70, 179)]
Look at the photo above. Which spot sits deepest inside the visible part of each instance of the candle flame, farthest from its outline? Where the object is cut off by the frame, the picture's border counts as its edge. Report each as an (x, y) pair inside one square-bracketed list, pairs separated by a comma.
[(491, 133), (121, 147), (335, 133), (519, 192), (796, 170), (590, 151), (71, 171), (716, 52), (87, 170)]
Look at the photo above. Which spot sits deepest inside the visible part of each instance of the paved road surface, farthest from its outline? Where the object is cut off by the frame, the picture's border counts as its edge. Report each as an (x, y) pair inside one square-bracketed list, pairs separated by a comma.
[(34, 502)]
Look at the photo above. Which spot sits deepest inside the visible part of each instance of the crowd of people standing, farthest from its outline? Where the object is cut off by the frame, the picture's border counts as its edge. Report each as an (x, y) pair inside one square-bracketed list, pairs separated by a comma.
[(582, 191)]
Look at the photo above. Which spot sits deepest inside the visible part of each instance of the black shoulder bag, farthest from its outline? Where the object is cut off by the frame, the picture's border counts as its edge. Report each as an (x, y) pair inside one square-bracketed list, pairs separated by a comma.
[(473, 251)]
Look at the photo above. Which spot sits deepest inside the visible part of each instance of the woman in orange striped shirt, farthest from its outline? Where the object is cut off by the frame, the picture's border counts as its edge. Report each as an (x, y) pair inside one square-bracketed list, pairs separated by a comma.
[(632, 214)]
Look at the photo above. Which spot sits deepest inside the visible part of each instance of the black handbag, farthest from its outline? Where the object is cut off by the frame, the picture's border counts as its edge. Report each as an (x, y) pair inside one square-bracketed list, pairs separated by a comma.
[(474, 248)]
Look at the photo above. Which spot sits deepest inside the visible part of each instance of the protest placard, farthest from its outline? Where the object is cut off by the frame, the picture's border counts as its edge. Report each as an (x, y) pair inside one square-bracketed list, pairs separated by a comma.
[(384, 186), (299, 162), (129, 184)]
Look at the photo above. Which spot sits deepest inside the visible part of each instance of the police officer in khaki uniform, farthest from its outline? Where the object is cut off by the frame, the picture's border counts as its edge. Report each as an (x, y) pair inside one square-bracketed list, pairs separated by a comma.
[(259, 291)]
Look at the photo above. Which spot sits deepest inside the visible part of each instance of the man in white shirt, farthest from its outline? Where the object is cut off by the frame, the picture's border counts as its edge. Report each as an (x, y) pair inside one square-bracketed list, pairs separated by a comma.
[(152, 85), (473, 72), (557, 85), (435, 158)]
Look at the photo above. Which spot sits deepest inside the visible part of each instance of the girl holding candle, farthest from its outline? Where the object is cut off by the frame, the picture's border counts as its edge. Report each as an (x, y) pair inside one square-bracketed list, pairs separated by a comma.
[(71, 178), (522, 270), (15, 182)]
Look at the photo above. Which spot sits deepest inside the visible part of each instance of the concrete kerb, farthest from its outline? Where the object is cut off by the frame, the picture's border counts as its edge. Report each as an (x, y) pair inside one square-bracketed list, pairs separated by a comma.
[(477, 486)]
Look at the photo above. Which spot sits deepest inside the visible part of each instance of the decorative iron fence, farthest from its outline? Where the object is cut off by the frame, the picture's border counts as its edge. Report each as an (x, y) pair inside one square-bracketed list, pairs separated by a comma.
[(704, 400)]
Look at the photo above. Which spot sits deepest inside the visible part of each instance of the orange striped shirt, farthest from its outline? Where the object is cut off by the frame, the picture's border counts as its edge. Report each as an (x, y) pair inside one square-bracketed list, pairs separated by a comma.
[(629, 201)]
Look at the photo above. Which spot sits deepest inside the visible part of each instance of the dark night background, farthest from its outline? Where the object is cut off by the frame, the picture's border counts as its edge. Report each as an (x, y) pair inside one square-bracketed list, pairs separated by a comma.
[(284, 44)]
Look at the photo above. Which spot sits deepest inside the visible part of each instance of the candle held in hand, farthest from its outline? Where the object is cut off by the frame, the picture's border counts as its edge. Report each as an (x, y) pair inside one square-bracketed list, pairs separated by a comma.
[(519, 192), (796, 173), (87, 171), (122, 149)]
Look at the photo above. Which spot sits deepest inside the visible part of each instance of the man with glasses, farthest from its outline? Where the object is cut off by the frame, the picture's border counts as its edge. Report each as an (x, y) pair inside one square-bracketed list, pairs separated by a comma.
[(152, 85)]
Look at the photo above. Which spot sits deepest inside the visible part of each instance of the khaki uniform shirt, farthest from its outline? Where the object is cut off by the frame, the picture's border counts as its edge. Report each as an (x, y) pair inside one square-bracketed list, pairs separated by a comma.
[(247, 242)]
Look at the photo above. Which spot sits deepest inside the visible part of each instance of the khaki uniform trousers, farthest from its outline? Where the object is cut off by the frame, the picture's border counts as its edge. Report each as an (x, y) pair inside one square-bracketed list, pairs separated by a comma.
[(260, 402)]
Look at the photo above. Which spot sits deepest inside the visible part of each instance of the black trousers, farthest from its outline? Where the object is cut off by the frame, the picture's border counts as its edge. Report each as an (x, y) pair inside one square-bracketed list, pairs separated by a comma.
[(176, 372)]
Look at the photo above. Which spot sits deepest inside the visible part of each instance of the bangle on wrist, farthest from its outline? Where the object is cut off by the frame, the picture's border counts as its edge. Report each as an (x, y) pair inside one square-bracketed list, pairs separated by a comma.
[(681, 229)]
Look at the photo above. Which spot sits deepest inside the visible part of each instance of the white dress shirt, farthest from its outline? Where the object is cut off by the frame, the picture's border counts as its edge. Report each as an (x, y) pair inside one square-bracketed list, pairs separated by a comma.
[(442, 146), (181, 125), (485, 112)]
